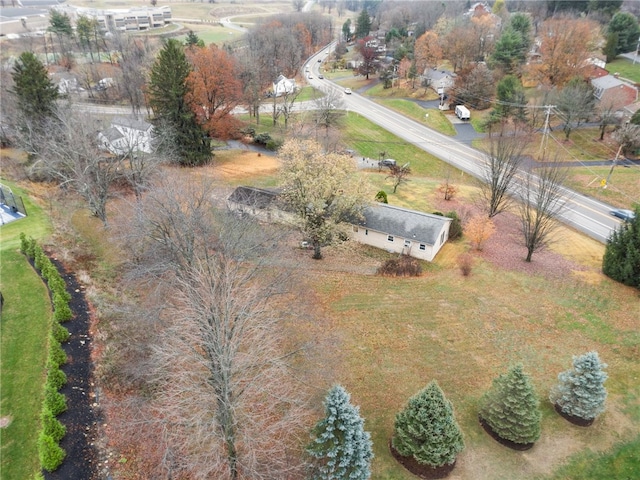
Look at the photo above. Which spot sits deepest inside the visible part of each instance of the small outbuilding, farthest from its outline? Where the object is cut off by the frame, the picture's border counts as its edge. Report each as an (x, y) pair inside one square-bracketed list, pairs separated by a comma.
[(400, 230)]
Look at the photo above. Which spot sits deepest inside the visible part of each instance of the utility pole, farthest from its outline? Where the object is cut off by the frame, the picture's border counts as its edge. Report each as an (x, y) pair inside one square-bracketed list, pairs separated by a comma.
[(615, 161), (545, 132), (637, 51)]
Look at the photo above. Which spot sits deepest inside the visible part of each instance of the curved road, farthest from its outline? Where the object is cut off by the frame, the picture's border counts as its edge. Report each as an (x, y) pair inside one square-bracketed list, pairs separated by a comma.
[(587, 215)]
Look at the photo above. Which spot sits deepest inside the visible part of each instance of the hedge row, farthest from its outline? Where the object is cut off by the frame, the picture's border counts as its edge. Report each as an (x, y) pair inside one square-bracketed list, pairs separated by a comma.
[(49, 450)]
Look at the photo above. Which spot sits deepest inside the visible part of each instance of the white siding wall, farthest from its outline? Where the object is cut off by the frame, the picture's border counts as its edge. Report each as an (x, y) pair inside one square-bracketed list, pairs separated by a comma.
[(381, 240)]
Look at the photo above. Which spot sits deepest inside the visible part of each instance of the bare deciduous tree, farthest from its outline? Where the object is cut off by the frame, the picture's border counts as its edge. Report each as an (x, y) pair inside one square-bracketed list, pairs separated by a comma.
[(169, 226), (542, 200), (223, 386), (328, 114), (503, 160), (399, 175), (70, 155)]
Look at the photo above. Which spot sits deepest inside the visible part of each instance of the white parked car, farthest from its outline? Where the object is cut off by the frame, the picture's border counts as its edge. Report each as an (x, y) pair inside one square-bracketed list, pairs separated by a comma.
[(347, 91)]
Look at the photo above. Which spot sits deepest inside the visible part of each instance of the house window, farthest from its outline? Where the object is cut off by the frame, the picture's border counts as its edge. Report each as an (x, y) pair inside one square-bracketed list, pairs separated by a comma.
[(442, 238), (407, 243), (423, 246), (390, 238), (366, 232), (355, 229)]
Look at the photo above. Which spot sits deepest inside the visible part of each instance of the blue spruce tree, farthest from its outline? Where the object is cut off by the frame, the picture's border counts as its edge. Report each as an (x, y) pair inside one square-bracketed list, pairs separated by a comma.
[(341, 448), (580, 391)]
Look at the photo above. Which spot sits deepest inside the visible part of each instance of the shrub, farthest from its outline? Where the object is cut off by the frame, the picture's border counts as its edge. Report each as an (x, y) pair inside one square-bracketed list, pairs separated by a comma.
[(381, 197), (426, 429), (273, 145), (57, 355), (403, 266), (55, 401), (341, 448), (479, 229), (262, 138), (455, 230), (50, 453), (59, 289), (56, 377), (465, 262), (511, 407), (39, 258), (61, 310), (31, 248), (24, 243), (60, 333), (51, 425), (580, 392)]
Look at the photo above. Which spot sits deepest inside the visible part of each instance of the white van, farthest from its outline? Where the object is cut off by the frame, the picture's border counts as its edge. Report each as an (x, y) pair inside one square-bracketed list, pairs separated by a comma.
[(462, 112)]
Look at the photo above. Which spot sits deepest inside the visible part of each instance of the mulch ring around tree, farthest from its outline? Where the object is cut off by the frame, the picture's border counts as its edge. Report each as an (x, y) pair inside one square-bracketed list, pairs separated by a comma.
[(420, 470), (581, 422), (82, 416), (503, 441)]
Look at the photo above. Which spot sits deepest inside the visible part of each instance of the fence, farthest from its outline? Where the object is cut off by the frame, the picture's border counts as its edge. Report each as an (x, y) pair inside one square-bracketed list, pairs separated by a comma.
[(14, 202)]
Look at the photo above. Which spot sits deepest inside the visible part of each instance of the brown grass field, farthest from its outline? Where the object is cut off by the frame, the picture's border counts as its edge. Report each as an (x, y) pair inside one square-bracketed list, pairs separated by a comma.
[(386, 338)]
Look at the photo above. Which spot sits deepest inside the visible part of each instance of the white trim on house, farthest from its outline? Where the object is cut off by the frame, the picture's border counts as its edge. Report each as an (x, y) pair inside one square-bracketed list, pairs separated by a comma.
[(400, 230)]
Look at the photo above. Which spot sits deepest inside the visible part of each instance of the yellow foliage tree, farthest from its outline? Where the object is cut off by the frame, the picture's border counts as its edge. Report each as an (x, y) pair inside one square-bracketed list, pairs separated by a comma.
[(478, 230)]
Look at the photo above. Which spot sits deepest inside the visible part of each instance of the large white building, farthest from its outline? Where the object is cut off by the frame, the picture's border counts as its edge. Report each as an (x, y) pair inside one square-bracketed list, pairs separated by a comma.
[(124, 19)]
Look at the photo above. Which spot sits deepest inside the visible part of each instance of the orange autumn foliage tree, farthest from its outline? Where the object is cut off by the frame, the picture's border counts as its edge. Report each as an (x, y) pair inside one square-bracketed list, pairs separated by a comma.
[(427, 51), (214, 90), (478, 230), (566, 45)]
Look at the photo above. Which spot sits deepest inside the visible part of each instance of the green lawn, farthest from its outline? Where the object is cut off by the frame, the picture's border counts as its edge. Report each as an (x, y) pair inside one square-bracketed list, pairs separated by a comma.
[(625, 68), (396, 335), (23, 345), (430, 117)]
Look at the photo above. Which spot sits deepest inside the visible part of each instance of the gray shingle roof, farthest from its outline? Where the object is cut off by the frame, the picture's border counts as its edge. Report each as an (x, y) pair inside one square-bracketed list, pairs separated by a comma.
[(112, 134), (131, 122), (253, 197), (400, 222), (607, 82)]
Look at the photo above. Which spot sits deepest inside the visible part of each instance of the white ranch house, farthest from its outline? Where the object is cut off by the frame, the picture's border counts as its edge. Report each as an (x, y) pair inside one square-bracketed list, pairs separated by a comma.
[(394, 229), (126, 135), (399, 230)]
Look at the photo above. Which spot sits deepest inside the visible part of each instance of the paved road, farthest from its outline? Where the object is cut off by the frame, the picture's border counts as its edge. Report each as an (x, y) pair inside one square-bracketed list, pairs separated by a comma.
[(583, 213)]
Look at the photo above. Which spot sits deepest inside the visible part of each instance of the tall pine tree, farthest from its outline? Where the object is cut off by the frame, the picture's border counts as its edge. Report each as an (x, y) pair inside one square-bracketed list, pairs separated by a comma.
[(36, 94), (172, 116), (427, 430), (621, 259), (511, 407), (341, 448), (580, 392)]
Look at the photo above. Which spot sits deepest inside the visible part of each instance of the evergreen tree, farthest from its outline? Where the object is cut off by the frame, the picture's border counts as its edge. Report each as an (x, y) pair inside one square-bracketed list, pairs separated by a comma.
[(511, 100), (193, 40), (511, 407), (363, 24), (340, 446), (626, 26), (36, 94), (172, 117), (427, 430), (580, 391), (621, 259)]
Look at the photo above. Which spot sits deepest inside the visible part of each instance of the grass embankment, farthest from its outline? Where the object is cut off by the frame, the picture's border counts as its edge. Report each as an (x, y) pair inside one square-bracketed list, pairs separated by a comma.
[(23, 346), (429, 117)]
